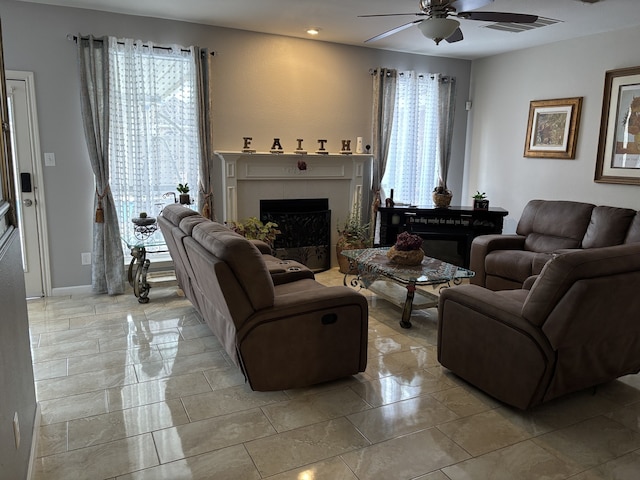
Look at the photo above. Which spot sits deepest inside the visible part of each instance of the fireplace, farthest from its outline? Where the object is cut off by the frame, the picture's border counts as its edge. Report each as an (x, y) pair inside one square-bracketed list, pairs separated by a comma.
[(305, 226)]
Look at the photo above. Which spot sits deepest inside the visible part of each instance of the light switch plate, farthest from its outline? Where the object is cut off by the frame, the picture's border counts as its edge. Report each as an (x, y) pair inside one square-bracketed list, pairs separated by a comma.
[(50, 159)]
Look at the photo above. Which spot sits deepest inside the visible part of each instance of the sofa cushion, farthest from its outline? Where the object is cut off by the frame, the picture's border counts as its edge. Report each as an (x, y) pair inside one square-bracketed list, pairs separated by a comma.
[(553, 224), (242, 257), (608, 226), (175, 213), (516, 265), (633, 235), (187, 223)]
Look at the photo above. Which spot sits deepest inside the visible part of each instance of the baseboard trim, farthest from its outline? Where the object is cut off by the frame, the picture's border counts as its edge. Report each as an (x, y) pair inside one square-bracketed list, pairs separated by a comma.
[(35, 435), (64, 291)]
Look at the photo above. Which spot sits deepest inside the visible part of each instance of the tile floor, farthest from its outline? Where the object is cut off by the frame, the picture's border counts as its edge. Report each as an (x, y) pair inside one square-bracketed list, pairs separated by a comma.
[(131, 391)]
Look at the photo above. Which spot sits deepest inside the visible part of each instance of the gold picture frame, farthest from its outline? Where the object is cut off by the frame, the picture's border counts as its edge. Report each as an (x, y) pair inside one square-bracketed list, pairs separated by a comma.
[(552, 131), (618, 159)]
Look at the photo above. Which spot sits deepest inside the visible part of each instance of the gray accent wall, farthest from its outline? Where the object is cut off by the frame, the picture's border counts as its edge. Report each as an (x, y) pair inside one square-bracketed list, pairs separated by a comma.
[(264, 86), (503, 86)]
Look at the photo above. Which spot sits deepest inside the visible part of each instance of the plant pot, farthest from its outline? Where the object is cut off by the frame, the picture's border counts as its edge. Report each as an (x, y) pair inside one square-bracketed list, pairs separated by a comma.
[(481, 204), (442, 200), (185, 199), (343, 262), (405, 257)]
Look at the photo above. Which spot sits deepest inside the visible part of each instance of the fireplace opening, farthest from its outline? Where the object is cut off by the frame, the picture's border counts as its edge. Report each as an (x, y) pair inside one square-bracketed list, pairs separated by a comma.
[(305, 224)]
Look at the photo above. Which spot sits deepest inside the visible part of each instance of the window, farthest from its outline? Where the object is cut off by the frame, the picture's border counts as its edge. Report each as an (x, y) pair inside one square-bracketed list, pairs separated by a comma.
[(412, 163), (153, 126)]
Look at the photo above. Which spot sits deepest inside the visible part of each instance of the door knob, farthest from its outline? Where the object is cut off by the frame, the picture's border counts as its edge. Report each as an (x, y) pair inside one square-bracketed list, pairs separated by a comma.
[(28, 202)]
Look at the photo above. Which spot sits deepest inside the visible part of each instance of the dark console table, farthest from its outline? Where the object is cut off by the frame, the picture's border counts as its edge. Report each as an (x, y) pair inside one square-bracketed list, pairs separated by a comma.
[(447, 232)]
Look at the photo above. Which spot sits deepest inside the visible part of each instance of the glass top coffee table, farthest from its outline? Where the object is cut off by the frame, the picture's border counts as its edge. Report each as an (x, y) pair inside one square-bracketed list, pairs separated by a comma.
[(397, 283)]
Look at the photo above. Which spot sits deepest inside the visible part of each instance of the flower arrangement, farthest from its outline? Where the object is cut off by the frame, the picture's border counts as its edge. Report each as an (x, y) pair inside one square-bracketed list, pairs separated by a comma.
[(407, 250), (407, 241)]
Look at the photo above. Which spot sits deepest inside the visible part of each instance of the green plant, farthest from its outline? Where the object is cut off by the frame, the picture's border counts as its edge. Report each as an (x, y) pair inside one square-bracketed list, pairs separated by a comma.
[(142, 215), (183, 189), (254, 229), (353, 231), (479, 196)]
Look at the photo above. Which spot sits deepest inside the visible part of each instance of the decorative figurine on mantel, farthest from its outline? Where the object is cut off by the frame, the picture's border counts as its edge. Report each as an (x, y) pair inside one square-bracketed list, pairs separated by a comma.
[(299, 149), (346, 147), (322, 150), (276, 147), (246, 148)]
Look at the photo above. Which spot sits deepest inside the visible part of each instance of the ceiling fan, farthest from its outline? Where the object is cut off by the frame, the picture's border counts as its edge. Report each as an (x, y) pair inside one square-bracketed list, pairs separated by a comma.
[(438, 26)]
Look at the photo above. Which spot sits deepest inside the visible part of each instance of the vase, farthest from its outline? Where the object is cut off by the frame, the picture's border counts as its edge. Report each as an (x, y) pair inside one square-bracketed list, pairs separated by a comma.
[(185, 199), (343, 262), (442, 200), (405, 257)]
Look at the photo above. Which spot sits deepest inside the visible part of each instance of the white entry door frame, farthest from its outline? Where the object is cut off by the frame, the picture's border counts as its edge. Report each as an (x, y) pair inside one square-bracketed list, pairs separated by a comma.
[(27, 158)]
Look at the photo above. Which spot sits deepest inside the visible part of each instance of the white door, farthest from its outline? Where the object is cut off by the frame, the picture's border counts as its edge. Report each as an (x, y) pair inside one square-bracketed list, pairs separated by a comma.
[(30, 208)]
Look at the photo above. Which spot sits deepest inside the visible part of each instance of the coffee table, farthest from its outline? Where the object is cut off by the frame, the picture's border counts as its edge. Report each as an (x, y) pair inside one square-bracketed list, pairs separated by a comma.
[(387, 279)]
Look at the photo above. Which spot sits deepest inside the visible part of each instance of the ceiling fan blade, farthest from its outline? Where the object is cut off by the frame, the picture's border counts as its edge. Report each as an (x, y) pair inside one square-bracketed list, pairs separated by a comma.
[(466, 5), (392, 15), (499, 17), (455, 36), (393, 31)]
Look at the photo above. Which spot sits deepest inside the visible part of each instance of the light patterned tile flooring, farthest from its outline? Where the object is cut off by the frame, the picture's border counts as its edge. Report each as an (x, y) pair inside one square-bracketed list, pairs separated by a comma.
[(131, 392)]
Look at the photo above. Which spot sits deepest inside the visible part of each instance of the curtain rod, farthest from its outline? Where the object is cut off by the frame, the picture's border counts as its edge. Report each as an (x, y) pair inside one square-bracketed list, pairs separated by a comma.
[(74, 38), (443, 79)]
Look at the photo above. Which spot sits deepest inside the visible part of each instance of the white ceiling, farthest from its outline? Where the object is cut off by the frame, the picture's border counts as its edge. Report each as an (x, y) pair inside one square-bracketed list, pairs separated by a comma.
[(338, 20)]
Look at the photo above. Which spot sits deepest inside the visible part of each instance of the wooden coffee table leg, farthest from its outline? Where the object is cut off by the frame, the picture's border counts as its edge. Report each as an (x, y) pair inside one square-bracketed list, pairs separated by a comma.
[(408, 305)]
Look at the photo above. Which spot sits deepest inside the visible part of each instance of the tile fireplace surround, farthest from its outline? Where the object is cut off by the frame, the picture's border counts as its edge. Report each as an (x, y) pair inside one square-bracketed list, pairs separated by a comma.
[(248, 178)]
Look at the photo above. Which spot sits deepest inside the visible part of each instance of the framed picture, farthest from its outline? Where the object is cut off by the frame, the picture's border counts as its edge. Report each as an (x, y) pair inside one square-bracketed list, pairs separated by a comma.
[(618, 158), (552, 131)]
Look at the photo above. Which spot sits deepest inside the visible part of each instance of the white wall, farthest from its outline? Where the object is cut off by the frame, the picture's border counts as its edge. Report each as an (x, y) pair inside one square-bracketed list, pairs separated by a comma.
[(501, 89), (264, 86)]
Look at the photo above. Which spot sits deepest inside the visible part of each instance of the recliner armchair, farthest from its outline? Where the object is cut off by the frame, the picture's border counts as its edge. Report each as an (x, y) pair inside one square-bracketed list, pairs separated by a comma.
[(575, 325)]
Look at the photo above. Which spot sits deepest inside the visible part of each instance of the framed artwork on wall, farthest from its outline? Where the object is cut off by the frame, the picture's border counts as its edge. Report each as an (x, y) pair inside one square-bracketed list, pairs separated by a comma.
[(618, 159), (552, 131)]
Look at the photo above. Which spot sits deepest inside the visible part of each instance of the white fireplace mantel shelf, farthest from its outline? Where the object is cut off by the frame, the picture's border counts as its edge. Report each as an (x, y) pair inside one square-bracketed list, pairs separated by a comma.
[(249, 177)]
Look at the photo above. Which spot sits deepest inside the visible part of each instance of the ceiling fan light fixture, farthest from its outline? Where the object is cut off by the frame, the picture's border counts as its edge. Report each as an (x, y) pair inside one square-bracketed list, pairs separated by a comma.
[(438, 28)]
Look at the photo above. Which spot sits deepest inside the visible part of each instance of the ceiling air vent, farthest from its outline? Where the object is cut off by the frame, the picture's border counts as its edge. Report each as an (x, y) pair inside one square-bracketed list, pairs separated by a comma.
[(522, 27)]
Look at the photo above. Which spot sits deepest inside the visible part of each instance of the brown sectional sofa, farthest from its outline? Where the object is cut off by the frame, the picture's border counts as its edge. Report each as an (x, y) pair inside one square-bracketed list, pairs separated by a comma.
[(558, 310), (548, 227), (280, 326)]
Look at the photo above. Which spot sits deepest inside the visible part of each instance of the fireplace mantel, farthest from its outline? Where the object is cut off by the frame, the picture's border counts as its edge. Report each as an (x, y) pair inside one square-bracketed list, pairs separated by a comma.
[(248, 178)]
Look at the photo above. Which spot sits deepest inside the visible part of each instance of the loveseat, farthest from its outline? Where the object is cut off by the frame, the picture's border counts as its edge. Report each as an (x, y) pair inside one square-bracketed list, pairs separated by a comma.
[(275, 321), (573, 326), (546, 228)]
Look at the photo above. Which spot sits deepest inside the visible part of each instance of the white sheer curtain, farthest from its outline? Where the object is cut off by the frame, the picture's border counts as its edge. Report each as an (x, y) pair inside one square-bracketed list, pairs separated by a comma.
[(412, 165), (154, 125)]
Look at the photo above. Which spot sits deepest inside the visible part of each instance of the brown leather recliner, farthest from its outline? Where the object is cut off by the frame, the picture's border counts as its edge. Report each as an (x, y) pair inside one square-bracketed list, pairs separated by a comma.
[(546, 227), (282, 328), (574, 326)]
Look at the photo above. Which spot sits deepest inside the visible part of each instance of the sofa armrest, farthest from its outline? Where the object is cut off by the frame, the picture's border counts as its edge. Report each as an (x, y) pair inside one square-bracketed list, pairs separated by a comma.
[(264, 247), (307, 337), (483, 339), (483, 245)]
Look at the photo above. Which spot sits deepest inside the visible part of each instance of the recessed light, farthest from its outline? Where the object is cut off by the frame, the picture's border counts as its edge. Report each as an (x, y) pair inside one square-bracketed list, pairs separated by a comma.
[(313, 31)]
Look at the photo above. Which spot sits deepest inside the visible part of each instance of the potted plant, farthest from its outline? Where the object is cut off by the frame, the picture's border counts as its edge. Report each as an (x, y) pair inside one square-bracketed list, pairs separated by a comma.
[(183, 190), (352, 234), (407, 250), (442, 195), (254, 229), (480, 201)]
